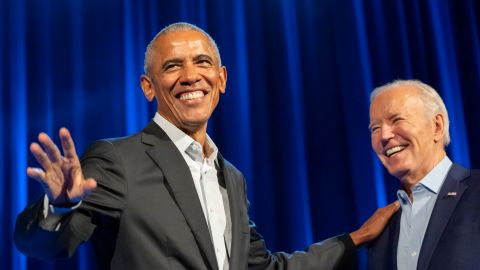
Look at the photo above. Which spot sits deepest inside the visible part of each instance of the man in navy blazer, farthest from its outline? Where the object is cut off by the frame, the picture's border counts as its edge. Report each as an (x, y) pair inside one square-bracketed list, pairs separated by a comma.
[(438, 226), (164, 198)]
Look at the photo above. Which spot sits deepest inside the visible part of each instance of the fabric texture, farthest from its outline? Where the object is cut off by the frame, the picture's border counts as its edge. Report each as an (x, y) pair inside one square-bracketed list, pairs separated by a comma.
[(143, 215), (452, 239)]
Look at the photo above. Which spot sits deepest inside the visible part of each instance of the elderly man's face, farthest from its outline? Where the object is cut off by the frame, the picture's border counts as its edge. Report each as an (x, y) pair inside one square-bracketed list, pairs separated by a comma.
[(405, 139), (185, 78)]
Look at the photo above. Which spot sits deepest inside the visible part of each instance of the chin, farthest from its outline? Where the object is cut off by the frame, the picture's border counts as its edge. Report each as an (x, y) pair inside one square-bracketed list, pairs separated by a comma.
[(194, 123), (398, 172)]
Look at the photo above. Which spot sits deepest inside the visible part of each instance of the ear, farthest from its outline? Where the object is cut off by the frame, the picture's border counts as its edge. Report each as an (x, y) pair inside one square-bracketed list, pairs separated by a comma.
[(223, 79), (438, 127), (147, 87)]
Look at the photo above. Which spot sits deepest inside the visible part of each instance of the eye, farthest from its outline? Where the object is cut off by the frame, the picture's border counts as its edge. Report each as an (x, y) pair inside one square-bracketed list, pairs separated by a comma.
[(374, 128), (397, 119), (204, 62), (171, 66)]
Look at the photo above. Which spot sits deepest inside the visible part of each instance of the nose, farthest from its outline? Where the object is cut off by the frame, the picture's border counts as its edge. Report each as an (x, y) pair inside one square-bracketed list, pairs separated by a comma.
[(386, 133), (189, 75)]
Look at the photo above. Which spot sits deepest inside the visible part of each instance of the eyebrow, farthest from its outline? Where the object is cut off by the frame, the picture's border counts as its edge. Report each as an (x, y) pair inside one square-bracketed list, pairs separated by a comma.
[(390, 117), (394, 115), (203, 57), (171, 61), (179, 60)]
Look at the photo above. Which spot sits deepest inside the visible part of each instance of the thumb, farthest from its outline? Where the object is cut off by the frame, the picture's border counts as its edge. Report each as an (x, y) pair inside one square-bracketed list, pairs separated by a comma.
[(88, 186)]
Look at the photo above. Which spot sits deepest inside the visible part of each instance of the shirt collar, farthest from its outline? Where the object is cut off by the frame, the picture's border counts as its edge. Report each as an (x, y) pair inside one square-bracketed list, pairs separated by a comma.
[(434, 179), (181, 140)]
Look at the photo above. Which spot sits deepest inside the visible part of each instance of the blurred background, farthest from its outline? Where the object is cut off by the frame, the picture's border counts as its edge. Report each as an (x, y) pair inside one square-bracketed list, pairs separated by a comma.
[(294, 118)]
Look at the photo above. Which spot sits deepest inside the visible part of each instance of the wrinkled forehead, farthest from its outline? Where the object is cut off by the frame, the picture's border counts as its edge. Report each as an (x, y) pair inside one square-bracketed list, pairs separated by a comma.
[(185, 41), (396, 100)]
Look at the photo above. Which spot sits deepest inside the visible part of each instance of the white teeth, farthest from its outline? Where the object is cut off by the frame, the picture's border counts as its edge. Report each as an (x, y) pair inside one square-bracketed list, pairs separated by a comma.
[(191, 95), (394, 150)]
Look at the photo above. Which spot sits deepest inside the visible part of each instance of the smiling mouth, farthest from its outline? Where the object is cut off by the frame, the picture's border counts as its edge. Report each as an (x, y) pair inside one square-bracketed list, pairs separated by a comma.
[(191, 95), (391, 151)]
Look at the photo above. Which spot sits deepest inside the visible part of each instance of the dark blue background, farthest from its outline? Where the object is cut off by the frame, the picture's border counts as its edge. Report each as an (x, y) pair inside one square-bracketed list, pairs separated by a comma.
[(295, 115)]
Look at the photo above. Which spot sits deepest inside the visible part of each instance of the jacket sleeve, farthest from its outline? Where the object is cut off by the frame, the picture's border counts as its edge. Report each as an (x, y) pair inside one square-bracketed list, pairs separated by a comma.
[(334, 253), (104, 203)]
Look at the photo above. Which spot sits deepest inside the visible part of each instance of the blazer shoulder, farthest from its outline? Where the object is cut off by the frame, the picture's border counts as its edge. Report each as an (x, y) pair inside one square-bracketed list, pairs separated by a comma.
[(226, 166), (468, 177), (106, 146)]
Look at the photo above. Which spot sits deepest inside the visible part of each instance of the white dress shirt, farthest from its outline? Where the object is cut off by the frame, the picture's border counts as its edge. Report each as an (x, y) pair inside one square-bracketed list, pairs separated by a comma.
[(204, 174)]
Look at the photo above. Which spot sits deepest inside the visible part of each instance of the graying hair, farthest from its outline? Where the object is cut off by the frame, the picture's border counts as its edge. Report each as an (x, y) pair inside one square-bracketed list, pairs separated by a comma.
[(175, 27), (430, 98)]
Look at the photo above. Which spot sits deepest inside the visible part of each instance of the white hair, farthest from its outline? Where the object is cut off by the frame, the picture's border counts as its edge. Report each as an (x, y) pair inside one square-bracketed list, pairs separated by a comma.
[(175, 27), (430, 98)]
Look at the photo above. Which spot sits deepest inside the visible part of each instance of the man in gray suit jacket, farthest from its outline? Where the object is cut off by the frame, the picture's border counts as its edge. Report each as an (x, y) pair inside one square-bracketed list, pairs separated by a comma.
[(163, 198)]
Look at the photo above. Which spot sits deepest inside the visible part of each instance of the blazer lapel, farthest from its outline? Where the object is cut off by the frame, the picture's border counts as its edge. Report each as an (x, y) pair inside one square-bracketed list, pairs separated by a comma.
[(233, 199), (448, 197), (395, 234), (177, 175)]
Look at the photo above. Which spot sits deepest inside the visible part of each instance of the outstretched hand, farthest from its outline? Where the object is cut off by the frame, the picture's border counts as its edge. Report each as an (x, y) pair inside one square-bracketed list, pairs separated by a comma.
[(60, 176), (375, 225)]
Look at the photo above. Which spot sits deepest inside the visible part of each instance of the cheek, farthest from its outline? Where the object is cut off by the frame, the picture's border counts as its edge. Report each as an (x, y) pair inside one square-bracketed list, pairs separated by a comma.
[(213, 79), (167, 82), (375, 142), (164, 98)]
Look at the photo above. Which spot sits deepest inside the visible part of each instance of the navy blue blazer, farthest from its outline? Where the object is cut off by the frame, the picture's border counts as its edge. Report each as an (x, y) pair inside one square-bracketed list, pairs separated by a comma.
[(452, 239)]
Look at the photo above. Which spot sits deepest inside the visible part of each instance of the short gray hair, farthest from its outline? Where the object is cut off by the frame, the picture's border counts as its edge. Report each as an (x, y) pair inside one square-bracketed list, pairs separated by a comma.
[(175, 27), (430, 98)]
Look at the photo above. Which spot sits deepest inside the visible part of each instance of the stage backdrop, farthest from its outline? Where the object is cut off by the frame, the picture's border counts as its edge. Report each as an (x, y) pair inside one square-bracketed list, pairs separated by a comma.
[(294, 117)]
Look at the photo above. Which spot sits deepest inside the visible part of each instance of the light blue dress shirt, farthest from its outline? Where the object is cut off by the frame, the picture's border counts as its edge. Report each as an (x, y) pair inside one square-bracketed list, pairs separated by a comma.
[(416, 214)]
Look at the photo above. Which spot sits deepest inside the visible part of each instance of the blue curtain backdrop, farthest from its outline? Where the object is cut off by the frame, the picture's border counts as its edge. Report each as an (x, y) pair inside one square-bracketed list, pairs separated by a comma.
[(295, 115)]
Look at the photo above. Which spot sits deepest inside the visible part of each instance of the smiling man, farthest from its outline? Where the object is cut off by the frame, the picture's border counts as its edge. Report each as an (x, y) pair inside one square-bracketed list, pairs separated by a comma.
[(164, 198), (438, 226)]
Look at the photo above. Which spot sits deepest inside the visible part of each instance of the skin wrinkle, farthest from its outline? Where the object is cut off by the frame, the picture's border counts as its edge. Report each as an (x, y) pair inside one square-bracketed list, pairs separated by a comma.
[(399, 118), (187, 63)]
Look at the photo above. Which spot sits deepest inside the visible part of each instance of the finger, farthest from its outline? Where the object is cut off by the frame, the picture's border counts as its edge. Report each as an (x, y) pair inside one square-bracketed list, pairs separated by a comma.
[(39, 175), (50, 147), (36, 173), (85, 188), (67, 144), (89, 185), (393, 207), (390, 209), (41, 156)]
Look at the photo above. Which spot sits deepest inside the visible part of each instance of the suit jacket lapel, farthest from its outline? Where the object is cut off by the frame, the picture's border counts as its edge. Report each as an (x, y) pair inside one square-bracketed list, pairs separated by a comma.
[(233, 199), (177, 174), (394, 235), (448, 197)]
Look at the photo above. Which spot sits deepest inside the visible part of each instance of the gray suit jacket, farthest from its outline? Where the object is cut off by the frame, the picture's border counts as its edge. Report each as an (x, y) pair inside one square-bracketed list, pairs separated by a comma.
[(145, 214)]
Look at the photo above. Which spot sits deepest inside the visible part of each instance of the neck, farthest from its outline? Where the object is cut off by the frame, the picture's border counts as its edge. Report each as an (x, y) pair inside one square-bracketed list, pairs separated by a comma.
[(412, 179), (200, 136)]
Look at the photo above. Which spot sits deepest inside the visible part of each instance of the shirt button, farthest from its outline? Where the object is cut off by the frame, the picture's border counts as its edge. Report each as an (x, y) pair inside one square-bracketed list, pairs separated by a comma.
[(414, 254)]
